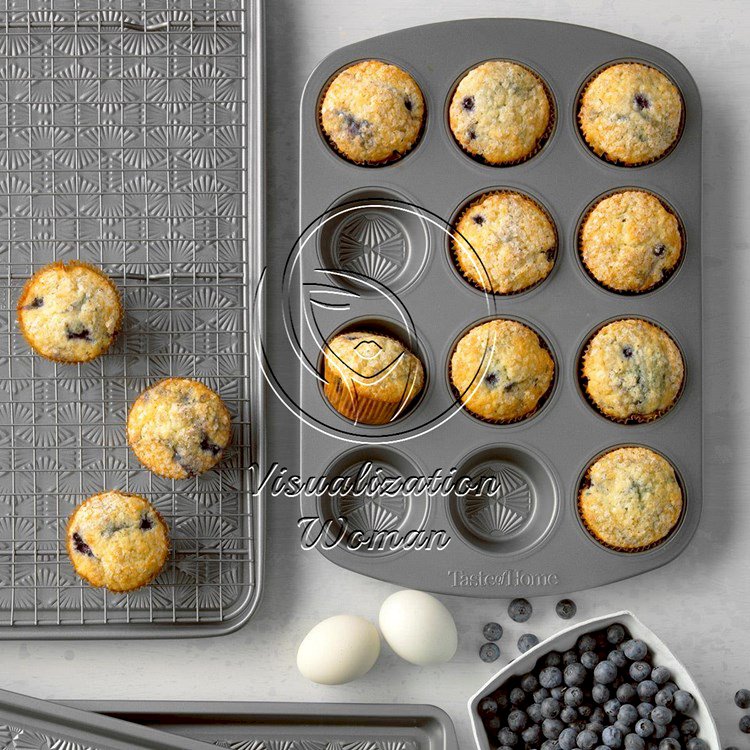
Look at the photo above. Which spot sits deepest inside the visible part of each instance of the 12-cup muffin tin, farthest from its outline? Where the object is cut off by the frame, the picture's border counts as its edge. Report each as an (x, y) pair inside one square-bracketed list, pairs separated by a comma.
[(527, 537)]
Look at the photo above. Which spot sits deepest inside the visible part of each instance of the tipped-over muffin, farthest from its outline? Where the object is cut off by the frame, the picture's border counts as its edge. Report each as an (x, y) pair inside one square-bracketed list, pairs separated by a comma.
[(632, 370), (630, 242), (505, 243), (500, 112), (630, 114), (501, 371), (630, 498), (179, 428), (117, 540), (372, 112), (370, 378), (69, 312)]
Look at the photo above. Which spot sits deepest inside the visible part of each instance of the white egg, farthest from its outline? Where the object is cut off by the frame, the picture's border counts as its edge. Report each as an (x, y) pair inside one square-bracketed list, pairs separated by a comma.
[(339, 650), (418, 628)]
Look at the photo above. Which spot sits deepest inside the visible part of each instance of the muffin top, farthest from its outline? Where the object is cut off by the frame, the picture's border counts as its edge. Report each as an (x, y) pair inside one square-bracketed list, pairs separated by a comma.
[(511, 243), (630, 113), (501, 370), (630, 241), (633, 370), (179, 428), (633, 498), (372, 112), (374, 366), (117, 540), (499, 112), (69, 312)]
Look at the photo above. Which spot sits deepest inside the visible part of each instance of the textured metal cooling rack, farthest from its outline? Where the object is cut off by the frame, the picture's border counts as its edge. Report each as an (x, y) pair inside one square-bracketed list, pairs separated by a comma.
[(126, 129)]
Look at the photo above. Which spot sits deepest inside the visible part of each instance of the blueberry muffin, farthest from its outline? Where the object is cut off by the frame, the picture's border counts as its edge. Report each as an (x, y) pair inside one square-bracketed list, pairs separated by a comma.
[(117, 540), (370, 378), (630, 114), (500, 112), (632, 370), (501, 371), (372, 112), (179, 428), (505, 243), (630, 242), (69, 312), (630, 498)]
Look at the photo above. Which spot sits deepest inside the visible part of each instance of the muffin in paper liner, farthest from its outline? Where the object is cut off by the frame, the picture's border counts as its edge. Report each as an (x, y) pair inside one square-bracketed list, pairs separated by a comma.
[(529, 244), (624, 480), (370, 378), (665, 372)]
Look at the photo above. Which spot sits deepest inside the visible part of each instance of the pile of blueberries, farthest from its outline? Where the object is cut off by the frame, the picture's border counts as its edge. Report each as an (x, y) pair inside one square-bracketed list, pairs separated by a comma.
[(603, 694)]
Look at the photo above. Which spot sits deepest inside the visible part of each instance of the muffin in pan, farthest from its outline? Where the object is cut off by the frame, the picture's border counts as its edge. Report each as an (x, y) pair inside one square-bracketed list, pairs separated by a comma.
[(370, 378), (117, 540), (630, 498), (501, 371), (632, 370), (630, 241), (630, 114), (69, 312), (372, 112), (500, 112), (179, 428), (511, 243)]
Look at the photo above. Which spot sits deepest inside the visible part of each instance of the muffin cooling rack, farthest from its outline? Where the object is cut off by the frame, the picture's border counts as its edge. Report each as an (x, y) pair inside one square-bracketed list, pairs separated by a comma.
[(378, 258), (130, 137)]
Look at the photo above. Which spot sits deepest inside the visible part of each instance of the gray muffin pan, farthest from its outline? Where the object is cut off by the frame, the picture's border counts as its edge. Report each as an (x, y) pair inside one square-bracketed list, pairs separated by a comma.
[(387, 267), (292, 726)]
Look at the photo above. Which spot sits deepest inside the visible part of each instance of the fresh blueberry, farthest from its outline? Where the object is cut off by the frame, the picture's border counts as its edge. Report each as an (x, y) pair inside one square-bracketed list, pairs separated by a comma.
[(628, 714), (634, 742), (639, 671), (550, 677), (586, 643), (624, 728), (553, 659), (529, 682), (683, 701), (487, 707), (569, 714), (635, 649), (605, 672), (599, 716), (660, 675), (660, 731), (742, 698), (517, 696), (489, 652), (618, 658), (517, 720), (551, 708), (589, 659), (689, 727), (534, 712), (492, 631), (661, 715), (574, 675), (520, 610), (672, 687), (644, 709), (551, 728), (573, 697), (492, 724), (557, 692), (612, 737), (549, 744), (673, 732), (506, 737), (567, 739), (626, 693), (501, 698), (696, 743), (566, 609), (569, 657), (644, 728), (540, 695), (669, 743), (600, 693), (532, 735), (527, 641), (745, 724), (664, 698), (612, 708), (595, 727), (647, 689), (585, 711), (615, 634), (505, 747), (587, 740)]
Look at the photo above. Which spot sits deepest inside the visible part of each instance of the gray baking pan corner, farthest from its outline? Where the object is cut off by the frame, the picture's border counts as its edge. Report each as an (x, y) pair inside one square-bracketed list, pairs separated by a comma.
[(527, 537), (293, 726)]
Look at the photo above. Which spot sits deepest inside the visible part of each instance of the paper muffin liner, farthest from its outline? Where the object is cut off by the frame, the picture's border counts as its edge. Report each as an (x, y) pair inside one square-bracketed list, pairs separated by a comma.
[(619, 162), (541, 401), (454, 246), (70, 264), (381, 162), (633, 418), (586, 481), (665, 276), (130, 590), (541, 141)]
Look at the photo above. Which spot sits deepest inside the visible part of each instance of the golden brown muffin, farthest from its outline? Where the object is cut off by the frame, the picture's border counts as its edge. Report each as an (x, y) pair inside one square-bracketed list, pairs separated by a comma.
[(632, 370), (370, 378), (69, 312), (511, 243), (500, 112), (117, 540), (501, 371), (630, 498), (179, 428), (630, 241), (372, 112), (630, 114)]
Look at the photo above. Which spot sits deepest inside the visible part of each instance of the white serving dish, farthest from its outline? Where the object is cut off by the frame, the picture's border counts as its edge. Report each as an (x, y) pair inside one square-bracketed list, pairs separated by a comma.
[(567, 638)]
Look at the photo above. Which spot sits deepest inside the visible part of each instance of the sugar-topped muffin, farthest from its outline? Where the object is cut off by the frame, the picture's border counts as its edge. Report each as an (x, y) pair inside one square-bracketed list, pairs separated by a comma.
[(69, 312), (511, 243), (501, 371), (632, 370), (372, 112), (630, 241), (179, 428), (500, 112), (117, 540), (370, 378), (630, 498), (630, 114)]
